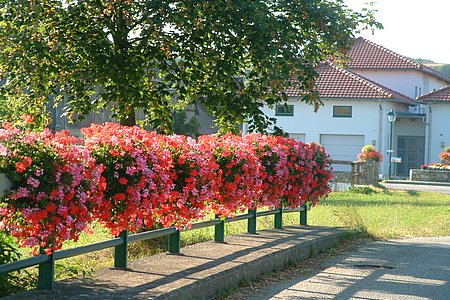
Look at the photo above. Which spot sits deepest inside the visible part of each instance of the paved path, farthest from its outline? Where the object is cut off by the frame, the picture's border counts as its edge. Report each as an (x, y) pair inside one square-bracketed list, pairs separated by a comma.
[(415, 268), (201, 271), (445, 189)]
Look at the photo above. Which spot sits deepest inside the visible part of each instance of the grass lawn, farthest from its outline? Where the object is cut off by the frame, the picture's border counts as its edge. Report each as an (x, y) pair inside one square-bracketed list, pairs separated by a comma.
[(379, 213), (386, 214)]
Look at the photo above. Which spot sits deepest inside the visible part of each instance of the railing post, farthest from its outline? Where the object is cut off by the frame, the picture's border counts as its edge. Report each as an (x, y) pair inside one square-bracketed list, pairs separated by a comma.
[(278, 220), (304, 215), (121, 252), (174, 242), (353, 173), (219, 231), (251, 224), (47, 274)]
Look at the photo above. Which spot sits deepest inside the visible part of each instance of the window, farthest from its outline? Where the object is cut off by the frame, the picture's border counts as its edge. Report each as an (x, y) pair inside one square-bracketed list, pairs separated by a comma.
[(284, 110), (342, 111), (418, 91)]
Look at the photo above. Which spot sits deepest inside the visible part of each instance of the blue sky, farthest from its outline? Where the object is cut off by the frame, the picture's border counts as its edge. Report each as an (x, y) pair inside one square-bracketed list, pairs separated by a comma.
[(413, 28)]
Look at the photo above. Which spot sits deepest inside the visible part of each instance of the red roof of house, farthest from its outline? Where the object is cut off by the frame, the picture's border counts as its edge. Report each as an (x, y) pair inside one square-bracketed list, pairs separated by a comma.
[(366, 55), (441, 95), (335, 82)]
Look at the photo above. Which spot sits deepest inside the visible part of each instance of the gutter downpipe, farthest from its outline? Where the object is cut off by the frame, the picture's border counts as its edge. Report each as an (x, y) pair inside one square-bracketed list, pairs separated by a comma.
[(428, 134), (380, 130)]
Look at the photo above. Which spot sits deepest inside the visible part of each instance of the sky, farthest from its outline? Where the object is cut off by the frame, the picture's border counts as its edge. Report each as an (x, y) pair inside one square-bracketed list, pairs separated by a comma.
[(413, 28)]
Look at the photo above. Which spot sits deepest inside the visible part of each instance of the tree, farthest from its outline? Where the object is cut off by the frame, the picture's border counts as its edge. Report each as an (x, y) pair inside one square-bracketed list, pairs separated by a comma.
[(232, 56)]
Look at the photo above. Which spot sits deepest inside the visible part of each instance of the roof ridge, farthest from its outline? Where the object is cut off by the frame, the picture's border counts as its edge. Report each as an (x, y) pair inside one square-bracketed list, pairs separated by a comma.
[(402, 57)]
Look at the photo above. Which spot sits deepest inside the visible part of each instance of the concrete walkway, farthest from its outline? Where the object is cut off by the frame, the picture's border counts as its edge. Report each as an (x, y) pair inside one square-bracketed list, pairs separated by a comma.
[(436, 187), (415, 268), (202, 271)]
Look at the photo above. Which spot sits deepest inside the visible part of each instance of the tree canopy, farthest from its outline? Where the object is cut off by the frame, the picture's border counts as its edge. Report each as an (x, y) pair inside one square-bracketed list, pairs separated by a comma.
[(231, 56)]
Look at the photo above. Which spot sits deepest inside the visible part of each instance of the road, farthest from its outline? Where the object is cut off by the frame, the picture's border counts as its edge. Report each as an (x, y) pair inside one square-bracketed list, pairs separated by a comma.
[(415, 268), (419, 187)]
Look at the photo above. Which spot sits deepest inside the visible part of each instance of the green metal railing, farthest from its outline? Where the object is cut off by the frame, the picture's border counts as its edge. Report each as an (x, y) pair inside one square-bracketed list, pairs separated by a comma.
[(120, 244)]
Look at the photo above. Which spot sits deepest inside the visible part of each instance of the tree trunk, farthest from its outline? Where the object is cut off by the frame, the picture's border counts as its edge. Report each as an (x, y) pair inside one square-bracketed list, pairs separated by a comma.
[(129, 120)]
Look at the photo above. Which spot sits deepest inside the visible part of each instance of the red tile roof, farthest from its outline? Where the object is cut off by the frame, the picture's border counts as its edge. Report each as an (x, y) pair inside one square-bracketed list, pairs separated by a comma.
[(441, 95), (366, 55), (335, 82)]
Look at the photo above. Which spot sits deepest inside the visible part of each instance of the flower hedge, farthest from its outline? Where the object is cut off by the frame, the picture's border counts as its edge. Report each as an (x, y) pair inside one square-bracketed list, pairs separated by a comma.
[(52, 182), (128, 178)]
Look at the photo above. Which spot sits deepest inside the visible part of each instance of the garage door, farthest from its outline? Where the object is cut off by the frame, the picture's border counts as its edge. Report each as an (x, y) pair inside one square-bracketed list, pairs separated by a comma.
[(342, 147)]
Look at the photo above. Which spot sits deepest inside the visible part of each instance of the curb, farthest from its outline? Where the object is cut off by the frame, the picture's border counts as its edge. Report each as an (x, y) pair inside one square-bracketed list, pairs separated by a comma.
[(210, 287), (433, 183)]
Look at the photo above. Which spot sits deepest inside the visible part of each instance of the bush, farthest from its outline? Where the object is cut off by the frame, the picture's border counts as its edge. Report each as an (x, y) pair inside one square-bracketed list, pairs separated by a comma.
[(12, 282), (128, 178)]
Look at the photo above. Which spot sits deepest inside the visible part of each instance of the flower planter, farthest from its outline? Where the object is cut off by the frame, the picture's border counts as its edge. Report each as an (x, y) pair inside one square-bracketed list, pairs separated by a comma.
[(445, 161), (5, 184), (371, 168), (429, 175)]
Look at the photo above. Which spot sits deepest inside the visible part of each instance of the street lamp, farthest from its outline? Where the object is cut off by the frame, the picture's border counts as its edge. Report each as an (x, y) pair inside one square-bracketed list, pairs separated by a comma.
[(391, 118)]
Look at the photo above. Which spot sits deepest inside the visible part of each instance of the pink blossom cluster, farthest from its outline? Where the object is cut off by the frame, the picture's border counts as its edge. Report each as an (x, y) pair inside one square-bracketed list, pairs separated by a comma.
[(129, 178)]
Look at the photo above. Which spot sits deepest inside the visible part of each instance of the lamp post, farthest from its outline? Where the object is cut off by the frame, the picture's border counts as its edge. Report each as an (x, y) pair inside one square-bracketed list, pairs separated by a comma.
[(391, 118)]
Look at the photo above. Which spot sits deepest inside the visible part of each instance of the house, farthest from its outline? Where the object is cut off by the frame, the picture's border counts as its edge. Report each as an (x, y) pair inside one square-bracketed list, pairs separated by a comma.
[(357, 100), (437, 126)]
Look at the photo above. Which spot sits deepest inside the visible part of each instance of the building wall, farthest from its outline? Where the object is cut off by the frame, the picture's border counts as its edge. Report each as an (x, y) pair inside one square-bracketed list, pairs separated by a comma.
[(405, 82), (438, 130), (364, 120), (369, 118)]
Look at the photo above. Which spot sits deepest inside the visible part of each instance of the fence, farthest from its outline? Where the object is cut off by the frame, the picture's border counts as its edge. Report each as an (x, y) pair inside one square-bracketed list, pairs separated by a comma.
[(120, 244), (356, 172)]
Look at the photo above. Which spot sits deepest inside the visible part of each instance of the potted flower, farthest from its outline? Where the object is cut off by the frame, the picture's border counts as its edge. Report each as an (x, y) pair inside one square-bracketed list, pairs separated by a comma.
[(372, 158), (445, 156), (368, 152)]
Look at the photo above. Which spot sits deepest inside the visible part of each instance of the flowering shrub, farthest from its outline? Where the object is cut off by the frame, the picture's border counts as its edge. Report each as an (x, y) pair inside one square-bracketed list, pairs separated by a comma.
[(128, 178), (48, 203), (369, 152), (321, 174), (300, 165), (436, 166), (135, 178), (238, 173), (194, 182), (274, 172)]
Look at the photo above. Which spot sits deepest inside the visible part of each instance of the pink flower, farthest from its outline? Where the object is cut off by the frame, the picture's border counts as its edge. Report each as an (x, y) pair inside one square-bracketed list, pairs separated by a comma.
[(33, 182)]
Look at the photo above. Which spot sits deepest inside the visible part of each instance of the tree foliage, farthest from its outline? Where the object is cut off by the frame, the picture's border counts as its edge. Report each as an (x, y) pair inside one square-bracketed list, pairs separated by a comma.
[(232, 56)]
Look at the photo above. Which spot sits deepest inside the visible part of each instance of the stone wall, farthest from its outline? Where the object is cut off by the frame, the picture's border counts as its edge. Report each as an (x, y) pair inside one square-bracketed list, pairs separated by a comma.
[(429, 175), (368, 174), (342, 177)]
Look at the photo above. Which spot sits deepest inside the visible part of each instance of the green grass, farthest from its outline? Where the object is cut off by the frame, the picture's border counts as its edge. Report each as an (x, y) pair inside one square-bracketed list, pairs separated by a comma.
[(386, 214), (379, 213)]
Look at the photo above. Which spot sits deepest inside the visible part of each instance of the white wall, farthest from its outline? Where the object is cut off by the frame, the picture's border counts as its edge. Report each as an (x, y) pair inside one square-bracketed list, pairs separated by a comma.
[(438, 120), (364, 120), (403, 82), (369, 118)]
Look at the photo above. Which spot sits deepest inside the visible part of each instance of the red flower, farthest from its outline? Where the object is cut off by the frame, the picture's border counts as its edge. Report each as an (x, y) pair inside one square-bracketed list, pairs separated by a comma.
[(123, 180), (27, 118)]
